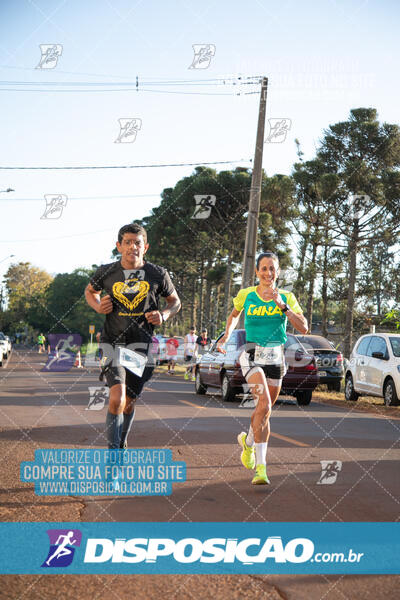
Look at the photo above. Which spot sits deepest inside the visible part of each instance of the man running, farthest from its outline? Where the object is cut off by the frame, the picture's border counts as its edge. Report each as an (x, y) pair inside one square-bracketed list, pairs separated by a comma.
[(62, 546), (203, 342), (267, 310), (132, 289), (41, 341), (172, 346), (189, 353)]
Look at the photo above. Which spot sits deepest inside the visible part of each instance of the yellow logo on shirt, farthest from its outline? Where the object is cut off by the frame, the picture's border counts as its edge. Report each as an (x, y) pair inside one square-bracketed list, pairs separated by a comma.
[(139, 288), (260, 311)]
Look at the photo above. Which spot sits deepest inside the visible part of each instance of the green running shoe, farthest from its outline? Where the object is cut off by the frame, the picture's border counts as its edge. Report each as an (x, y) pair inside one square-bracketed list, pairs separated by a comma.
[(186, 376), (247, 457), (260, 478)]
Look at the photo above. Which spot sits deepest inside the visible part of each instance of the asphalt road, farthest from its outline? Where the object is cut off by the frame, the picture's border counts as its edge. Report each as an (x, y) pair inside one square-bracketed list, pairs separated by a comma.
[(47, 410)]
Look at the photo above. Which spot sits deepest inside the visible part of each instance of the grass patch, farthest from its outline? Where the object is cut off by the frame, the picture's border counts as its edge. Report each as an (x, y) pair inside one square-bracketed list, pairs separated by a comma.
[(321, 394)]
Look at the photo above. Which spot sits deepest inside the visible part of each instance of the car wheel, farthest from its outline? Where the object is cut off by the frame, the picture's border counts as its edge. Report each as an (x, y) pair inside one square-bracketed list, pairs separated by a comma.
[(304, 397), (228, 393), (389, 394), (349, 393), (334, 387), (199, 387)]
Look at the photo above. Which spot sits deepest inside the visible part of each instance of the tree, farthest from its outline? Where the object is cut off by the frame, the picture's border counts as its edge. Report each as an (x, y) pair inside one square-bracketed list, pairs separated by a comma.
[(66, 309), (365, 155), (377, 277), (26, 287), (314, 188)]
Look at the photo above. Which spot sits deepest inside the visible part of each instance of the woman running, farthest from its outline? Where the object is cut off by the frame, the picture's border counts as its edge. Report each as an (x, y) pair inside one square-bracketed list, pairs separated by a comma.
[(267, 310)]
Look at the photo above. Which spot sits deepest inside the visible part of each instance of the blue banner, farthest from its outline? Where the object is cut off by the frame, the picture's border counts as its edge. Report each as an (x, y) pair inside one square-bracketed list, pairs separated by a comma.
[(218, 548)]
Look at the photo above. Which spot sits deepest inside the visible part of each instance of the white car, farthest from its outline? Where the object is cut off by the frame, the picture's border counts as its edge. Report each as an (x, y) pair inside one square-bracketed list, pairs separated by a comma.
[(6, 343), (3, 353), (374, 368)]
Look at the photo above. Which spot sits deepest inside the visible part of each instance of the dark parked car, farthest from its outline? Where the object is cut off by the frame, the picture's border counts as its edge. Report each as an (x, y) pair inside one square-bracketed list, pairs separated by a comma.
[(329, 360), (217, 370)]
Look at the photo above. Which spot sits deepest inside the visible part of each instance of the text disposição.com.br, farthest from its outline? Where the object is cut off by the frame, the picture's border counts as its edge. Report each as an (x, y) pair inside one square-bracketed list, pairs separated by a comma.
[(337, 557), (212, 550)]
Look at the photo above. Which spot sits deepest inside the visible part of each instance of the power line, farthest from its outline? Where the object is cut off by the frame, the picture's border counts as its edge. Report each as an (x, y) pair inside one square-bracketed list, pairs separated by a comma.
[(163, 80), (136, 85), (78, 91), (172, 82), (58, 237), (195, 164), (109, 197)]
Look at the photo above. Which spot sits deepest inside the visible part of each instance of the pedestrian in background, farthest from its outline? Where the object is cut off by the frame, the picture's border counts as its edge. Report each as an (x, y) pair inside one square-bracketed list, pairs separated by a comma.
[(190, 352), (172, 345)]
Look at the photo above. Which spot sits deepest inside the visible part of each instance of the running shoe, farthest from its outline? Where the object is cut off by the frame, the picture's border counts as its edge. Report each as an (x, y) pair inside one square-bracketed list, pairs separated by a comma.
[(260, 478), (193, 378), (186, 376), (247, 457)]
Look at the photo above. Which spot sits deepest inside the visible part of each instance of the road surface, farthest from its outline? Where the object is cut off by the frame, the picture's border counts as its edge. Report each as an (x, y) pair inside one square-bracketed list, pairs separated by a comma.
[(47, 410)]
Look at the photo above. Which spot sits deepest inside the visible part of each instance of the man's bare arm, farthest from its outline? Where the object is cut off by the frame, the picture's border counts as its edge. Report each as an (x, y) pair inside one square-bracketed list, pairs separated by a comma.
[(102, 305), (155, 317)]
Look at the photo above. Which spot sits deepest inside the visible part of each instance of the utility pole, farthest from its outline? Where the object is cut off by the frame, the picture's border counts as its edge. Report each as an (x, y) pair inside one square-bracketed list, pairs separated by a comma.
[(250, 248)]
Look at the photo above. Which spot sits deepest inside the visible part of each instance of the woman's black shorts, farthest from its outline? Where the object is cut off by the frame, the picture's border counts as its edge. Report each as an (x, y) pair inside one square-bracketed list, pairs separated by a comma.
[(247, 363)]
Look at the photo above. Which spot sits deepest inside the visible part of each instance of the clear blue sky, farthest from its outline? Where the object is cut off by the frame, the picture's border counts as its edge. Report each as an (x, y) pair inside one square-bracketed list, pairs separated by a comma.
[(322, 59)]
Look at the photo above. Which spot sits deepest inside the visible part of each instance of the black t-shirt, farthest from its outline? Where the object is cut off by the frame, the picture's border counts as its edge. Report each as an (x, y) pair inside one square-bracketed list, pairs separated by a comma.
[(133, 292), (203, 343)]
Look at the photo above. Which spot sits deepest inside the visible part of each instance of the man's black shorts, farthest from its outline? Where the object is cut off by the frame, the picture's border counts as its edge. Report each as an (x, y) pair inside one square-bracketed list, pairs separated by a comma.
[(121, 375), (188, 358)]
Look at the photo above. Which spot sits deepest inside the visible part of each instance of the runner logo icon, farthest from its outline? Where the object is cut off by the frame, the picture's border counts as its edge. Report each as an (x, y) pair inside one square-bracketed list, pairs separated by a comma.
[(62, 547)]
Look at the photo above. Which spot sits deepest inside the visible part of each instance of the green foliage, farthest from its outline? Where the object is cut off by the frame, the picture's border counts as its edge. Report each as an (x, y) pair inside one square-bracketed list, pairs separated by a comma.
[(392, 317)]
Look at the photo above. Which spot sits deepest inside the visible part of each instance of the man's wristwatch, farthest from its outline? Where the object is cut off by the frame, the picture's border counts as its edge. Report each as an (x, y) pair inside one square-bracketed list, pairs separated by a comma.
[(285, 308)]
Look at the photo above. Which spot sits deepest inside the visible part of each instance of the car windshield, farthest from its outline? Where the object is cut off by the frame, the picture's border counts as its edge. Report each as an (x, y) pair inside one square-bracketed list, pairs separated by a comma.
[(2, 336), (316, 341), (395, 343)]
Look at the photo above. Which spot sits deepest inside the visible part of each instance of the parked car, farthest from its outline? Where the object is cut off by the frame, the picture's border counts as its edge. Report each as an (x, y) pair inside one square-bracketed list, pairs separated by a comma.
[(217, 370), (6, 343), (374, 368), (5, 348), (181, 349), (161, 350), (329, 360)]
